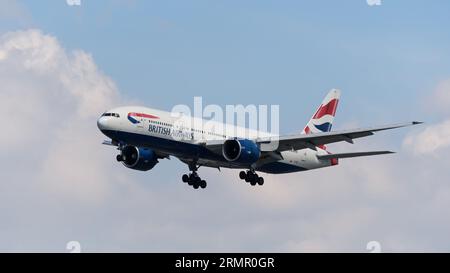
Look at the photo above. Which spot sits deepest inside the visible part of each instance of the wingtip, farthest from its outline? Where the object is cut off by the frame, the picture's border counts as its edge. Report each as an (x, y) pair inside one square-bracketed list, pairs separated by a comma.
[(417, 122)]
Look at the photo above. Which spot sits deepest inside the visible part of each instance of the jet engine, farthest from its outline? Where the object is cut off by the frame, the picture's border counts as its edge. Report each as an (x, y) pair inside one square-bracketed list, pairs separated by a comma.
[(241, 151), (136, 158)]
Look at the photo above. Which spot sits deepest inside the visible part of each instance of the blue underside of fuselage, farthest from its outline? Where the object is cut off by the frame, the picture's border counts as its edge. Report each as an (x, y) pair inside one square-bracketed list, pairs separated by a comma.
[(188, 150)]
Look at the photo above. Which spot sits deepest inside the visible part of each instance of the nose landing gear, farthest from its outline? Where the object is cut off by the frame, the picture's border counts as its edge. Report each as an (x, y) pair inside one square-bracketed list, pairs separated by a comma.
[(251, 177)]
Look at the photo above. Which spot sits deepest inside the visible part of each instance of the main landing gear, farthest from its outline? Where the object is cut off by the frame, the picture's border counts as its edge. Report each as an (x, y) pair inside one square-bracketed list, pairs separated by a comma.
[(193, 179), (251, 177)]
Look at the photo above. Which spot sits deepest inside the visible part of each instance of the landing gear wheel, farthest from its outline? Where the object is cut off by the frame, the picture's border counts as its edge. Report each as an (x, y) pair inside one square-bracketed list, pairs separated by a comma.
[(119, 158), (260, 181), (242, 175), (185, 178), (190, 182), (251, 177), (193, 179)]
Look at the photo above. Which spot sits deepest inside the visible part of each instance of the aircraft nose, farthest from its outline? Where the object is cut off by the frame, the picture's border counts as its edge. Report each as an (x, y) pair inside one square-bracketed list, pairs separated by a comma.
[(102, 123)]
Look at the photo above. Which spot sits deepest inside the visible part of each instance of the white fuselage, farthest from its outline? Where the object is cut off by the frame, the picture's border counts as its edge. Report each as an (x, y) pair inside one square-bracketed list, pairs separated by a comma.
[(180, 136)]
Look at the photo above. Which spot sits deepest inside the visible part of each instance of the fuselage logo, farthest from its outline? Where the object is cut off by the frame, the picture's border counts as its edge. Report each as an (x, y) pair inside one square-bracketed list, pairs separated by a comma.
[(134, 117)]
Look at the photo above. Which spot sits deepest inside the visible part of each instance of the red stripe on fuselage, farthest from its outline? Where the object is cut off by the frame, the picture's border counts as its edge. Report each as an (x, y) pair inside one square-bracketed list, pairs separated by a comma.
[(141, 115), (328, 109)]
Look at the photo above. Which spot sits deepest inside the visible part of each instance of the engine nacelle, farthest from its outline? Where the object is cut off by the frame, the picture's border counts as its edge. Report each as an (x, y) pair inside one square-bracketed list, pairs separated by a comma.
[(241, 151), (141, 159)]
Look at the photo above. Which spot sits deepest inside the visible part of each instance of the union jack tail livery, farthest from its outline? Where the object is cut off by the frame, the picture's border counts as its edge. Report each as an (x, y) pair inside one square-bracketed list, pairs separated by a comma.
[(322, 120)]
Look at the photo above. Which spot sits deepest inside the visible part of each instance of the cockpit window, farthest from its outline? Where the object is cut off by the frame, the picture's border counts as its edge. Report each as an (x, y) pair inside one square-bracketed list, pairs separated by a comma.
[(111, 115)]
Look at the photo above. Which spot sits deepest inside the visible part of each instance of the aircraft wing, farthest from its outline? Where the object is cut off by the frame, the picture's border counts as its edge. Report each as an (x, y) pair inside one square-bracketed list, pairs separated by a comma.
[(302, 141)]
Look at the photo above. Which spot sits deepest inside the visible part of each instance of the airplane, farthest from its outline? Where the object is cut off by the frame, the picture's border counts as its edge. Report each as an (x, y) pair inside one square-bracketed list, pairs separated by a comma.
[(143, 136)]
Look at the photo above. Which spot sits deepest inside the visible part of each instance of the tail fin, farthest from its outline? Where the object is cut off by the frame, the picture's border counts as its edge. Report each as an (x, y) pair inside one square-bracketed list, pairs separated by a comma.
[(322, 120)]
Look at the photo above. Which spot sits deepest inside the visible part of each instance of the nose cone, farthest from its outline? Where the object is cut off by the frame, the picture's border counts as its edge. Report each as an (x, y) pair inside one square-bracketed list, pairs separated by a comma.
[(102, 123)]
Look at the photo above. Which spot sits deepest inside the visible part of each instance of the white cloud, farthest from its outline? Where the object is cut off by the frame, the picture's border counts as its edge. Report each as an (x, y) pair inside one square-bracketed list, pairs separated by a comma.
[(434, 138), (51, 99)]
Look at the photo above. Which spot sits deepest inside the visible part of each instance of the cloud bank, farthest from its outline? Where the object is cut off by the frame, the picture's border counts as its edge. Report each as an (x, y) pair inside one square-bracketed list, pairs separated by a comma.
[(58, 184), (50, 98), (435, 139)]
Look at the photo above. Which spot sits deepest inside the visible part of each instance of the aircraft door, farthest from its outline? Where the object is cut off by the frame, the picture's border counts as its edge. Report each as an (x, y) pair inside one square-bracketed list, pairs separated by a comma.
[(141, 122)]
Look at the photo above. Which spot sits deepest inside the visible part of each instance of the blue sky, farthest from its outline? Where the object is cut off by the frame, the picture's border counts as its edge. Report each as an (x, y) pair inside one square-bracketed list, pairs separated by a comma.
[(392, 63), (262, 52)]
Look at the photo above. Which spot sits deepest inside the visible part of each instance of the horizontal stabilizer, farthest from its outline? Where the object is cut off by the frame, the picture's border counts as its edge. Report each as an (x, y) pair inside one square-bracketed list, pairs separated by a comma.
[(350, 155)]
